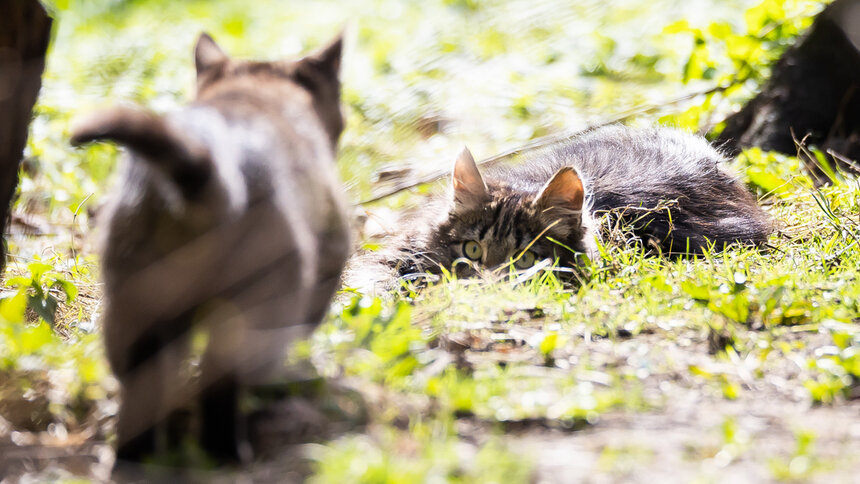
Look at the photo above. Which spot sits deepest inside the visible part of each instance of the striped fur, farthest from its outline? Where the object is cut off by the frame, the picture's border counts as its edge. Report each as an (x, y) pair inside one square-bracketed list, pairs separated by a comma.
[(668, 186)]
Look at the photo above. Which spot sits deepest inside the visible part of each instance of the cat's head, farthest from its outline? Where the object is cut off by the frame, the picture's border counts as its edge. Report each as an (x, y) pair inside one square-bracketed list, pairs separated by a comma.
[(316, 74), (494, 224)]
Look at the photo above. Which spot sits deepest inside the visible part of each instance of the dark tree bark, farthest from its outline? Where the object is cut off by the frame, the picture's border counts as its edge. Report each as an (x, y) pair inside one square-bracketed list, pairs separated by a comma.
[(25, 30), (814, 93)]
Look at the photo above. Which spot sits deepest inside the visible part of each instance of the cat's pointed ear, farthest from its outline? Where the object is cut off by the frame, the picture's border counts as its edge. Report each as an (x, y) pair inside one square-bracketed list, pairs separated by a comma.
[(562, 198), (207, 54), (327, 59), (470, 191)]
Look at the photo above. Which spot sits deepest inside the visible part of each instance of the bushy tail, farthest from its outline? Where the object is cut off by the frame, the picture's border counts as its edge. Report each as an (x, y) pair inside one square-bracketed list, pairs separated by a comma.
[(150, 136)]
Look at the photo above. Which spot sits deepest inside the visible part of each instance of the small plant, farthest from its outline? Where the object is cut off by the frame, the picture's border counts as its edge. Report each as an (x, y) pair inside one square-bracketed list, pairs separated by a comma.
[(37, 291), (803, 462), (838, 370), (55, 377), (385, 330)]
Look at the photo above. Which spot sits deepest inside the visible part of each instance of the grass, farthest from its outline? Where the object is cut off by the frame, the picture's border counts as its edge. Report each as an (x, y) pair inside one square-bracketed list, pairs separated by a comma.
[(742, 363), (737, 326)]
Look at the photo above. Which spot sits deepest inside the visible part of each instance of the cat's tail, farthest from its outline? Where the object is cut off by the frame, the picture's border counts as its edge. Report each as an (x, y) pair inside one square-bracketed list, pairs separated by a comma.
[(151, 137)]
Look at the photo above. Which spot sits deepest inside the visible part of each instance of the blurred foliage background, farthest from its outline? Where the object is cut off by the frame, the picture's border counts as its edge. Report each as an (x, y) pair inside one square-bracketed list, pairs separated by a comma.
[(420, 80)]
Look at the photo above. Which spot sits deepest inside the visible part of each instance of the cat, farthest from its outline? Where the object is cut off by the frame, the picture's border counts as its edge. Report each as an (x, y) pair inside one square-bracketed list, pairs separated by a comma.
[(228, 218), (668, 185)]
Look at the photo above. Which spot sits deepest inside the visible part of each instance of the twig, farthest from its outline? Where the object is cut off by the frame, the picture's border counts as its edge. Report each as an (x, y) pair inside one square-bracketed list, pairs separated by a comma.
[(851, 163), (74, 220)]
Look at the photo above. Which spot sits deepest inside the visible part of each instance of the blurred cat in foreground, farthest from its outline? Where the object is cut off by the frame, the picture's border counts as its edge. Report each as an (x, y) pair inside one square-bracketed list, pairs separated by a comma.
[(229, 218)]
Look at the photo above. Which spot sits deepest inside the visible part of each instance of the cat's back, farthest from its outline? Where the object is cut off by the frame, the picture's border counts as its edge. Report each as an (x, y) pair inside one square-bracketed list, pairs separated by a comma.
[(279, 173), (636, 169), (619, 154), (272, 153), (260, 157), (638, 152)]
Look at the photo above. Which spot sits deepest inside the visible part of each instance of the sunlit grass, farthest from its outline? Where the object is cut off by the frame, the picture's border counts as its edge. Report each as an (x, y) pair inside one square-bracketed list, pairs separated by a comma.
[(501, 350)]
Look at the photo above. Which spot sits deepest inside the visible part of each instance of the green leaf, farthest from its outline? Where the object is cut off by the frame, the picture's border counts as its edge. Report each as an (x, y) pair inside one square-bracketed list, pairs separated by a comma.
[(677, 27), (719, 30), (37, 269), (842, 340), (45, 307), (549, 342), (19, 282), (768, 182), (730, 389), (734, 307), (70, 290), (33, 338), (12, 309), (699, 293)]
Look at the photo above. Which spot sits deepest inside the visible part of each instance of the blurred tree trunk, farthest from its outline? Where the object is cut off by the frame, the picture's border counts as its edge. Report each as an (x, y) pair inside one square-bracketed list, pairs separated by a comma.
[(814, 92), (25, 30)]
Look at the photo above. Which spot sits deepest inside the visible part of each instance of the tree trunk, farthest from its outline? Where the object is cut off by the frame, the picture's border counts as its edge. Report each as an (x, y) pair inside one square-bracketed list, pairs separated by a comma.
[(25, 30), (813, 94)]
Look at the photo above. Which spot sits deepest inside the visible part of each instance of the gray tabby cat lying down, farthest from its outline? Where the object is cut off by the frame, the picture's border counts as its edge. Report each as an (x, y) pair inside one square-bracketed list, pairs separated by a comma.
[(229, 218), (669, 186)]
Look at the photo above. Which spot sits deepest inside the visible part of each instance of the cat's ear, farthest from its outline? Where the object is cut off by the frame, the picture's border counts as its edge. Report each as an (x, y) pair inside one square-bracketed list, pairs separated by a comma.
[(327, 58), (562, 198), (318, 72), (207, 54), (470, 191)]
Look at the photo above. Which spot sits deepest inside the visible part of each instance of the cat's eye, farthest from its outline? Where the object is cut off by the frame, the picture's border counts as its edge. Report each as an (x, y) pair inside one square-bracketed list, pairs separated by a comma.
[(473, 250), (526, 260)]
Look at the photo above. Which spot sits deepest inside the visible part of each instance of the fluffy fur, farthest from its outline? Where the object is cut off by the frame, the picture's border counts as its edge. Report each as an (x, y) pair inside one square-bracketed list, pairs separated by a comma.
[(667, 185)]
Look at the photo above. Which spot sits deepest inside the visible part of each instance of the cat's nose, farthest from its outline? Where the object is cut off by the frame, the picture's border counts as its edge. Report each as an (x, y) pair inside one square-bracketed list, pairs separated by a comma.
[(496, 258)]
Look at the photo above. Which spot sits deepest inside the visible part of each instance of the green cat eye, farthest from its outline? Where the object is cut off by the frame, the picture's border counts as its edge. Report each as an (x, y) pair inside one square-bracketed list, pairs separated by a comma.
[(526, 260), (473, 250)]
